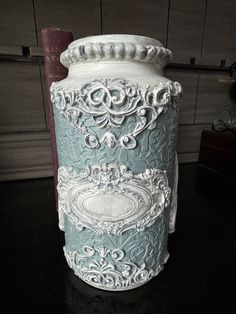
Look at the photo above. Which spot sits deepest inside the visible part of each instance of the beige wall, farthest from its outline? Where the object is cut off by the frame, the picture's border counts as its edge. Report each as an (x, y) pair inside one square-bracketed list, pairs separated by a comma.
[(201, 29)]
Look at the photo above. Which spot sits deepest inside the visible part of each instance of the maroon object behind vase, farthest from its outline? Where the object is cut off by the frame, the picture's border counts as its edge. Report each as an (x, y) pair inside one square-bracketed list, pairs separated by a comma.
[(55, 41), (218, 151)]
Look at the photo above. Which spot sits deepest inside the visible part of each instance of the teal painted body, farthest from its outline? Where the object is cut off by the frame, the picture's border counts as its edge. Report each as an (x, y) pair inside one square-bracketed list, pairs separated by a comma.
[(155, 149), (116, 119)]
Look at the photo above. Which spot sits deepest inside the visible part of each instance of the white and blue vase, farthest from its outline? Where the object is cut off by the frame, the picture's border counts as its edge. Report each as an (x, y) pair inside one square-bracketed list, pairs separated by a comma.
[(116, 119)]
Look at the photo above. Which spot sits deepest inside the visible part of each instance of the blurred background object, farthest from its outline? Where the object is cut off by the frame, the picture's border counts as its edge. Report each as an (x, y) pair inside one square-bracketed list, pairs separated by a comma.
[(218, 146), (224, 122)]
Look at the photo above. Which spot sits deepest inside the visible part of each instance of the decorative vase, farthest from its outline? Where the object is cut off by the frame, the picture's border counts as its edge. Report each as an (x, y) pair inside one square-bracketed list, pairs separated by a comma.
[(116, 118)]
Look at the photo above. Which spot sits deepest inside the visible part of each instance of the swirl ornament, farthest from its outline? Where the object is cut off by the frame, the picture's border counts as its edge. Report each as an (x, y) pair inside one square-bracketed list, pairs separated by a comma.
[(107, 269), (110, 102), (109, 199)]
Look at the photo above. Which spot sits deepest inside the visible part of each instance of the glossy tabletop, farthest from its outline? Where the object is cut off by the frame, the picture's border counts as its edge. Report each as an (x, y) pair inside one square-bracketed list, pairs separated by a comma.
[(200, 276)]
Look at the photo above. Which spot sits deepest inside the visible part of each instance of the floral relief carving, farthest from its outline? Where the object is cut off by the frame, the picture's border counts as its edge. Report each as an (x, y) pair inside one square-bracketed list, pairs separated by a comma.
[(107, 268), (110, 102), (110, 199)]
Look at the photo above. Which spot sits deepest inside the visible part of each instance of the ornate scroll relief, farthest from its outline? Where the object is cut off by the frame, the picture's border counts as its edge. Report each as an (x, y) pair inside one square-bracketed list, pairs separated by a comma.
[(110, 199), (110, 102), (106, 268)]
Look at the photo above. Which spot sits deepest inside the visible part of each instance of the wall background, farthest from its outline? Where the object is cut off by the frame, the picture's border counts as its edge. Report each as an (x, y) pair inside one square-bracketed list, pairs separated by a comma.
[(200, 32)]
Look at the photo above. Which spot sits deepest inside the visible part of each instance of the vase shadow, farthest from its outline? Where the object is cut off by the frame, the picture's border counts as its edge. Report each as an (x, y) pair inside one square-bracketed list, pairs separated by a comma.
[(82, 298)]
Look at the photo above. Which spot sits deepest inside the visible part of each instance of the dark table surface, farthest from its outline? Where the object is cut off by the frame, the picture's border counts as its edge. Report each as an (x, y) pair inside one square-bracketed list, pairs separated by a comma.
[(200, 276)]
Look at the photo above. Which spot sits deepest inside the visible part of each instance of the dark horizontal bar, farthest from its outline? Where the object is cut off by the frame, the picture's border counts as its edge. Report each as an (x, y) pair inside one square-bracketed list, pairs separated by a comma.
[(197, 67), (27, 59), (39, 60)]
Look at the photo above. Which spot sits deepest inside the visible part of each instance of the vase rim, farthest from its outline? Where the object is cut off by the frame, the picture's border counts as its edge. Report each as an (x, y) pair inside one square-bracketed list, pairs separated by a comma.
[(117, 38), (119, 47)]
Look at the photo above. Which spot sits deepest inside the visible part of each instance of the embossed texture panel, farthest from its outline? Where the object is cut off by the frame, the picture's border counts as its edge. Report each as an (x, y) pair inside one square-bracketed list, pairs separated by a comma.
[(121, 262), (110, 102)]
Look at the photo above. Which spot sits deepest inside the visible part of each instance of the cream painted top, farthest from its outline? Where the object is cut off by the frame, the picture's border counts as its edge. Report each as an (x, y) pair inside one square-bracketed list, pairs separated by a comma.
[(116, 47)]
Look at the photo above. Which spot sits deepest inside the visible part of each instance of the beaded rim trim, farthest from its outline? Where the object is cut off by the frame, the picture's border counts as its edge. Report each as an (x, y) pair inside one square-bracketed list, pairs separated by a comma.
[(117, 51)]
